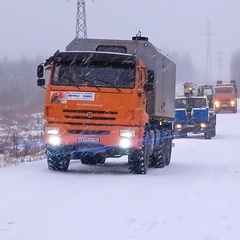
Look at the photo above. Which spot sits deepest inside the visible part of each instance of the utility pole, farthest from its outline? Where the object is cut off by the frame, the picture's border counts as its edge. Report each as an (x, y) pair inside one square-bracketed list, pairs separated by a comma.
[(81, 25), (208, 59)]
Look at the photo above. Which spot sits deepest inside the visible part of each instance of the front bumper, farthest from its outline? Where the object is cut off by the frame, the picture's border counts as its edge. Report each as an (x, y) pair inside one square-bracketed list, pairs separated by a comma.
[(190, 128), (76, 151), (101, 139), (228, 105)]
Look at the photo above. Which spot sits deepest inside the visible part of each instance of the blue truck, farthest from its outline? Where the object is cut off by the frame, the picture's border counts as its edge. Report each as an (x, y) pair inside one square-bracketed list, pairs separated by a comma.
[(193, 115)]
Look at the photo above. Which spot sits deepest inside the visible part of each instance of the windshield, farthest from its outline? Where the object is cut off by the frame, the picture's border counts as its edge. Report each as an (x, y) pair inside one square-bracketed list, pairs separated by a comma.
[(224, 90), (193, 102), (97, 75), (207, 91)]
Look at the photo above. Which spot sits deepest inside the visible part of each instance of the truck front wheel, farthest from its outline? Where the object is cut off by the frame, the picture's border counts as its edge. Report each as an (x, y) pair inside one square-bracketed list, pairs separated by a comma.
[(208, 134), (58, 162), (214, 131), (138, 160)]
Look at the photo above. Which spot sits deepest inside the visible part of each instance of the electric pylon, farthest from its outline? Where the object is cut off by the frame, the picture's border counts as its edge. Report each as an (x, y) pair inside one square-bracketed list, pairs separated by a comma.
[(208, 59), (81, 25)]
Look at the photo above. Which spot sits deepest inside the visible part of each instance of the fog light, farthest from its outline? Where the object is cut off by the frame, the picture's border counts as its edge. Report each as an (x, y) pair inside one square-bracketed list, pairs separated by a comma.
[(54, 140), (51, 130), (203, 125), (125, 143)]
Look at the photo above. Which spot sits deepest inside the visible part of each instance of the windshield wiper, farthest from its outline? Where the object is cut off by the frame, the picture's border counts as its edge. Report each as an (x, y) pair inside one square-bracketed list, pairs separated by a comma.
[(75, 84), (86, 80), (71, 80), (110, 83)]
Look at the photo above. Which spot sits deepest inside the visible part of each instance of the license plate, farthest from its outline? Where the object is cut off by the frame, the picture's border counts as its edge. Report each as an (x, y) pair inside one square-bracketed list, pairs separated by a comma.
[(88, 140)]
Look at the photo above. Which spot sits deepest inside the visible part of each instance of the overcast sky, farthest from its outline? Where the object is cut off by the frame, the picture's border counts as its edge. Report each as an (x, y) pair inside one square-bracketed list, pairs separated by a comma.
[(31, 28)]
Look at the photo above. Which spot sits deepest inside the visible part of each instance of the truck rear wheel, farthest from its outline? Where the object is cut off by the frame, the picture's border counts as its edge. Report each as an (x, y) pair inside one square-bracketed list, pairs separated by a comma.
[(168, 152), (138, 160), (157, 159), (58, 162)]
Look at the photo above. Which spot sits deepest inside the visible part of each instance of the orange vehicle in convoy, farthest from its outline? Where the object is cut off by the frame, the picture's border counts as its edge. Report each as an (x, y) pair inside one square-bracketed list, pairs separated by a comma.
[(109, 98), (225, 96)]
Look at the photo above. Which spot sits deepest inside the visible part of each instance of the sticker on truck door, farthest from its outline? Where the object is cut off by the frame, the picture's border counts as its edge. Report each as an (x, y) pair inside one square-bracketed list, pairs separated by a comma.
[(88, 96), (58, 97)]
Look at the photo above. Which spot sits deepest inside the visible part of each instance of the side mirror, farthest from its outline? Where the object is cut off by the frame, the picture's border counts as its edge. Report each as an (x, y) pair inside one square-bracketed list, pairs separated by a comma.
[(41, 82), (40, 70)]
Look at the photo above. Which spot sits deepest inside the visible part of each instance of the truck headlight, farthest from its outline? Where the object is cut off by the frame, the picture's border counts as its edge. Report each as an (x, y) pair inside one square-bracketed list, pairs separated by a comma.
[(217, 104), (178, 126), (127, 133), (232, 103), (51, 130), (203, 125), (54, 140), (125, 143)]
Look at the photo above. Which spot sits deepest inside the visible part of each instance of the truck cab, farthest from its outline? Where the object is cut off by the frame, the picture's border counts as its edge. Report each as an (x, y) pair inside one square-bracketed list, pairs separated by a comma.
[(225, 97), (206, 90), (193, 115)]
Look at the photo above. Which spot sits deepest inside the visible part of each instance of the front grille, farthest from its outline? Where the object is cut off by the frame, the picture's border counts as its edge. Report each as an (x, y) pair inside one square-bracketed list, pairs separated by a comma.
[(86, 111), (92, 118), (86, 132), (79, 124), (90, 115)]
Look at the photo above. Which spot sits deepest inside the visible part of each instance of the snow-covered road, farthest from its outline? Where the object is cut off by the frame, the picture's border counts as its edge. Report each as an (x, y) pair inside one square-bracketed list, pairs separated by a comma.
[(196, 197)]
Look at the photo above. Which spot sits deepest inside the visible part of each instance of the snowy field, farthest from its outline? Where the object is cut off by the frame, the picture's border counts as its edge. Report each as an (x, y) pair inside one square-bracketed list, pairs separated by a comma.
[(197, 197)]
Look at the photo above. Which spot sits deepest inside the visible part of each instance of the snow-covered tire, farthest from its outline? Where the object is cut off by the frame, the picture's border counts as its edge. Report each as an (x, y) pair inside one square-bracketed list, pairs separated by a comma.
[(168, 152), (157, 159), (58, 162), (214, 131), (138, 160)]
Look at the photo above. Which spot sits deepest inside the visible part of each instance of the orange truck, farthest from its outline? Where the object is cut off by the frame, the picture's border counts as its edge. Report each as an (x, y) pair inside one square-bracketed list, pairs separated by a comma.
[(225, 96), (109, 98)]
